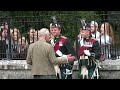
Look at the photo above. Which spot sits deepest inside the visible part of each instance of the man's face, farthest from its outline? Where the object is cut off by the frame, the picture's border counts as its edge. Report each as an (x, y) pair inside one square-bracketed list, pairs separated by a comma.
[(47, 37), (84, 33), (55, 31), (93, 28)]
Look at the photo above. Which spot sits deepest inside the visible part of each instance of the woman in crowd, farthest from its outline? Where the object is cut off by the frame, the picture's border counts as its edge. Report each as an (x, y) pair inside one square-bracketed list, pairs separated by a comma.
[(23, 46), (36, 36), (14, 43), (106, 38), (31, 35)]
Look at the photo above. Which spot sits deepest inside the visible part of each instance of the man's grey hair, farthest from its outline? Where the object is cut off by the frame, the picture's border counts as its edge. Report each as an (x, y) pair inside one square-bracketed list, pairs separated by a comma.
[(42, 32)]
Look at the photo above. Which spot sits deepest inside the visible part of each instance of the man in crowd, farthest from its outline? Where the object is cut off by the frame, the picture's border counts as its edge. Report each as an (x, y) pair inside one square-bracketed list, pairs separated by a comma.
[(94, 30)]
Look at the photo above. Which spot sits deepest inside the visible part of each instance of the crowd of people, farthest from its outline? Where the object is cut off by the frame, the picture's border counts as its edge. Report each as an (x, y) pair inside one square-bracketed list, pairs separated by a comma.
[(14, 43), (51, 55)]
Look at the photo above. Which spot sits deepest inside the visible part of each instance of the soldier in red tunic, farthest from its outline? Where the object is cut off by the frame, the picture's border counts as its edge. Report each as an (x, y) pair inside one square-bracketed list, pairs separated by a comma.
[(88, 51)]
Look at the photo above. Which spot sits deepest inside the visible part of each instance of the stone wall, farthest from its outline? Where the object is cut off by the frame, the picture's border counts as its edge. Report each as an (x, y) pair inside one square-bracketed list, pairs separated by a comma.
[(15, 69), (110, 69), (15, 74), (18, 69)]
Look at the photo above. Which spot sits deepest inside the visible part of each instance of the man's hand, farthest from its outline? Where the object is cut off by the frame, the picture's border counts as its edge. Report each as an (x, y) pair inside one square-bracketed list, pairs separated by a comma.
[(70, 58)]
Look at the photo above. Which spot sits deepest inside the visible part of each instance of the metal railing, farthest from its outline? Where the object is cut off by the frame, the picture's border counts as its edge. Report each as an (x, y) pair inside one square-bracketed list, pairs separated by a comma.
[(12, 49)]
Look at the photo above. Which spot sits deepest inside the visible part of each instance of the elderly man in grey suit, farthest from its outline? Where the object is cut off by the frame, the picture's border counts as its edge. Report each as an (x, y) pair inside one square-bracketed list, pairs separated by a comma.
[(42, 57)]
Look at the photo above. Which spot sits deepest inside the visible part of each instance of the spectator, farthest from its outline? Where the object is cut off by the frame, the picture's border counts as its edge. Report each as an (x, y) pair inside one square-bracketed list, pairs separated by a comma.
[(4, 38), (36, 36), (14, 43), (4, 35), (106, 38), (31, 35), (23, 46), (107, 35), (5, 26), (94, 30), (2, 47)]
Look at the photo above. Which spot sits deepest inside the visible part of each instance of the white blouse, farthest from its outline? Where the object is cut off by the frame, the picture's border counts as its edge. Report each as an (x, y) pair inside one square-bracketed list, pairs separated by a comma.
[(105, 40)]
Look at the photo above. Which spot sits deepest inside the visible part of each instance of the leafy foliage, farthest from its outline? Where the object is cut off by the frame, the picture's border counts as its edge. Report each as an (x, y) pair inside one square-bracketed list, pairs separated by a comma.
[(23, 20)]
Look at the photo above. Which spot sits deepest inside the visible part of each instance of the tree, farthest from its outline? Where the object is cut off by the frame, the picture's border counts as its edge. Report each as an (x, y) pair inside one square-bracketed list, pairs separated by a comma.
[(38, 19)]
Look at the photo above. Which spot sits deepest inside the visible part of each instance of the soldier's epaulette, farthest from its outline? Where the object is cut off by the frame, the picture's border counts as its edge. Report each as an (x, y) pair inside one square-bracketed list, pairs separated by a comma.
[(64, 37)]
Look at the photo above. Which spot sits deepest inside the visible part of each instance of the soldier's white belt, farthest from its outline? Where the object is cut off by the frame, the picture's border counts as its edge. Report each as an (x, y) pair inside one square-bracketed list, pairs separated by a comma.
[(83, 57)]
